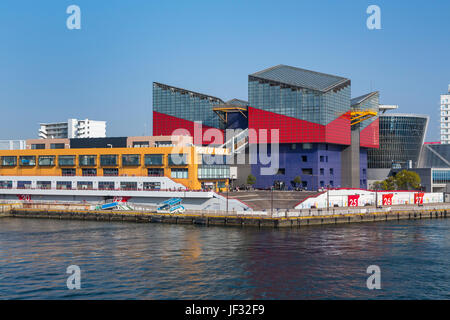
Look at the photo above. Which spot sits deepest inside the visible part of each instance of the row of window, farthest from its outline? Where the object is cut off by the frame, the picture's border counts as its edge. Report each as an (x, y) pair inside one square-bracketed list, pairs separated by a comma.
[(52, 146), (91, 160), (110, 172), (81, 185), (321, 158)]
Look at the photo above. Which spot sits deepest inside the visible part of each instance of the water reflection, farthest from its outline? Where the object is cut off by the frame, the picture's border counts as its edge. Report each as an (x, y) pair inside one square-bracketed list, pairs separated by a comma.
[(157, 261)]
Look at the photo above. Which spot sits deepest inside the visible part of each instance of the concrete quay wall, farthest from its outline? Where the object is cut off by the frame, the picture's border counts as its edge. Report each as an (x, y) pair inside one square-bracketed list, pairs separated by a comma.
[(235, 219)]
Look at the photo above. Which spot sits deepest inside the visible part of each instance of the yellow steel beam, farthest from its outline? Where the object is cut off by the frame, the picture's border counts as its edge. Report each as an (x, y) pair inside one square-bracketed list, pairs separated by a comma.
[(358, 116), (230, 108)]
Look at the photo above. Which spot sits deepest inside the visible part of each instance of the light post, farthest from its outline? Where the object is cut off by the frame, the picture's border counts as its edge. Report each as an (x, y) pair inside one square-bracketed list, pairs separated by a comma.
[(271, 201), (328, 200), (376, 198), (228, 188)]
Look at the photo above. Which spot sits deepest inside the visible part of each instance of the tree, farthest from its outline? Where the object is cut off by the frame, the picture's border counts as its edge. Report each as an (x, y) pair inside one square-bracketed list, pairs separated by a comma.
[(404, 180), (407, 180), (297, 181), (251, 180)]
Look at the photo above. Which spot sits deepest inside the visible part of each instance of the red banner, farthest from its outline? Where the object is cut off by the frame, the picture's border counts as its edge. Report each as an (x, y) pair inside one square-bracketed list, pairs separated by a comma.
[(418, 198), (121, 199), (387, 199), (353, 200), (24, 197)]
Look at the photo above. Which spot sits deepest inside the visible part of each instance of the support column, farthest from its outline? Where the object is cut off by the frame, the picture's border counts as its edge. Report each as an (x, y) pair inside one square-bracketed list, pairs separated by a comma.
[(350, 161)]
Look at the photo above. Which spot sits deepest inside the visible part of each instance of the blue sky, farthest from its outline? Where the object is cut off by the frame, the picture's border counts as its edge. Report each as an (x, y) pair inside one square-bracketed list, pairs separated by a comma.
[(105, 70)]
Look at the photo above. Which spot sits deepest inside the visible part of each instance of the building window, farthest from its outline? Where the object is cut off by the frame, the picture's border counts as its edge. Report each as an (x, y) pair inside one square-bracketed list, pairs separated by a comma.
[(88, 172), (66, 160), (27, 160), (322, 158), (155, 172), (332, 183), (110, 172), (128, 185), (153, 160), (85, 185), (46, 160), (44, 184), (38, 146), (308, 171), (293, 146), (131, 160), (177, 159), (163, 144), (64, 185), (307, 146), (68, 172), (212, 159), (9, 161), (331, 171), (57, 146), (179, 173), (140, 144), (322, 171), (213, 172), (23, 184), (304, 159), (6, 184), (108, 160), (87, 160), (364, 171), (322, 184), (106, 185), (152, 185)]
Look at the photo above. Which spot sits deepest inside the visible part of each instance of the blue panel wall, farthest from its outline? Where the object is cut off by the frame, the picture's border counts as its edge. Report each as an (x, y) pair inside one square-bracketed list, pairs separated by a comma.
[(236, 120), (363, 168), (323, 159)]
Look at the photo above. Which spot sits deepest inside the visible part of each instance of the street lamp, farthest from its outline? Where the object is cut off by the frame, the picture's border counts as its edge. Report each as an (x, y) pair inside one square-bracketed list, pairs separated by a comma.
[(271, 201), (228, 188)]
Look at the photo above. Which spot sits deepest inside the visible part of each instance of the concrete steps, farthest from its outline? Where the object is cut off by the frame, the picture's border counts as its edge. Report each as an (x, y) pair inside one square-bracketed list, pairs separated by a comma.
[(261, 199)]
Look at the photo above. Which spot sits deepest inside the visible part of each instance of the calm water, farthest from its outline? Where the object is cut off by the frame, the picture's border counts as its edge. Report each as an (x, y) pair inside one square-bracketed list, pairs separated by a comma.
[(157, 261)]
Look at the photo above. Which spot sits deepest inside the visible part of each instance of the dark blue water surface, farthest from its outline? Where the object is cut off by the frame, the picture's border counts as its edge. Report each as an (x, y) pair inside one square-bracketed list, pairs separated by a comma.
[(158, 261)]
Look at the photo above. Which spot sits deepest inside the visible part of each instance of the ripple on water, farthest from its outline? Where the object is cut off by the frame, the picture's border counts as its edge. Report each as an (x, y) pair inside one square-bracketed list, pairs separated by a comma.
[(156, 261)]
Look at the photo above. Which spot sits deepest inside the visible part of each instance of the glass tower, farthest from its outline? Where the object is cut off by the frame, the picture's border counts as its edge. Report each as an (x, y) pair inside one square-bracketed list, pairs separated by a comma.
[(401, 139), (184, 104)]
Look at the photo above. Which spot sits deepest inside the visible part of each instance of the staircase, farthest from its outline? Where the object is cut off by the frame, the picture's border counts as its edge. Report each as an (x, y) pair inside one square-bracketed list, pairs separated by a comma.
[(261, 199), (237, 143)]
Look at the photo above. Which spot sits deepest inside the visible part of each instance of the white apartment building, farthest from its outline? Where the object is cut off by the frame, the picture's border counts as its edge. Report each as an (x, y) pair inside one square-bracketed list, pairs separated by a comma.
[(12, 144), (445, 117), (73, 128)]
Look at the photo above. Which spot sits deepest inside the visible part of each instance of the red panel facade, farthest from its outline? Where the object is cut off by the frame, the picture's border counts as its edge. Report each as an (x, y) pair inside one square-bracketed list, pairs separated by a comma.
[(369, 136), (292, 130), (165, 125)]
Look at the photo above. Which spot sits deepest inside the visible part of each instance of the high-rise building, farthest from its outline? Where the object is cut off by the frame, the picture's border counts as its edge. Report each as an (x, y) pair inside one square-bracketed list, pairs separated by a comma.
[(445, 117), (73, 128)]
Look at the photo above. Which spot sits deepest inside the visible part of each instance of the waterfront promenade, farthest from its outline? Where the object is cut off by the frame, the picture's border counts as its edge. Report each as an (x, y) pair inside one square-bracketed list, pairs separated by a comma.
[(273, 219)]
